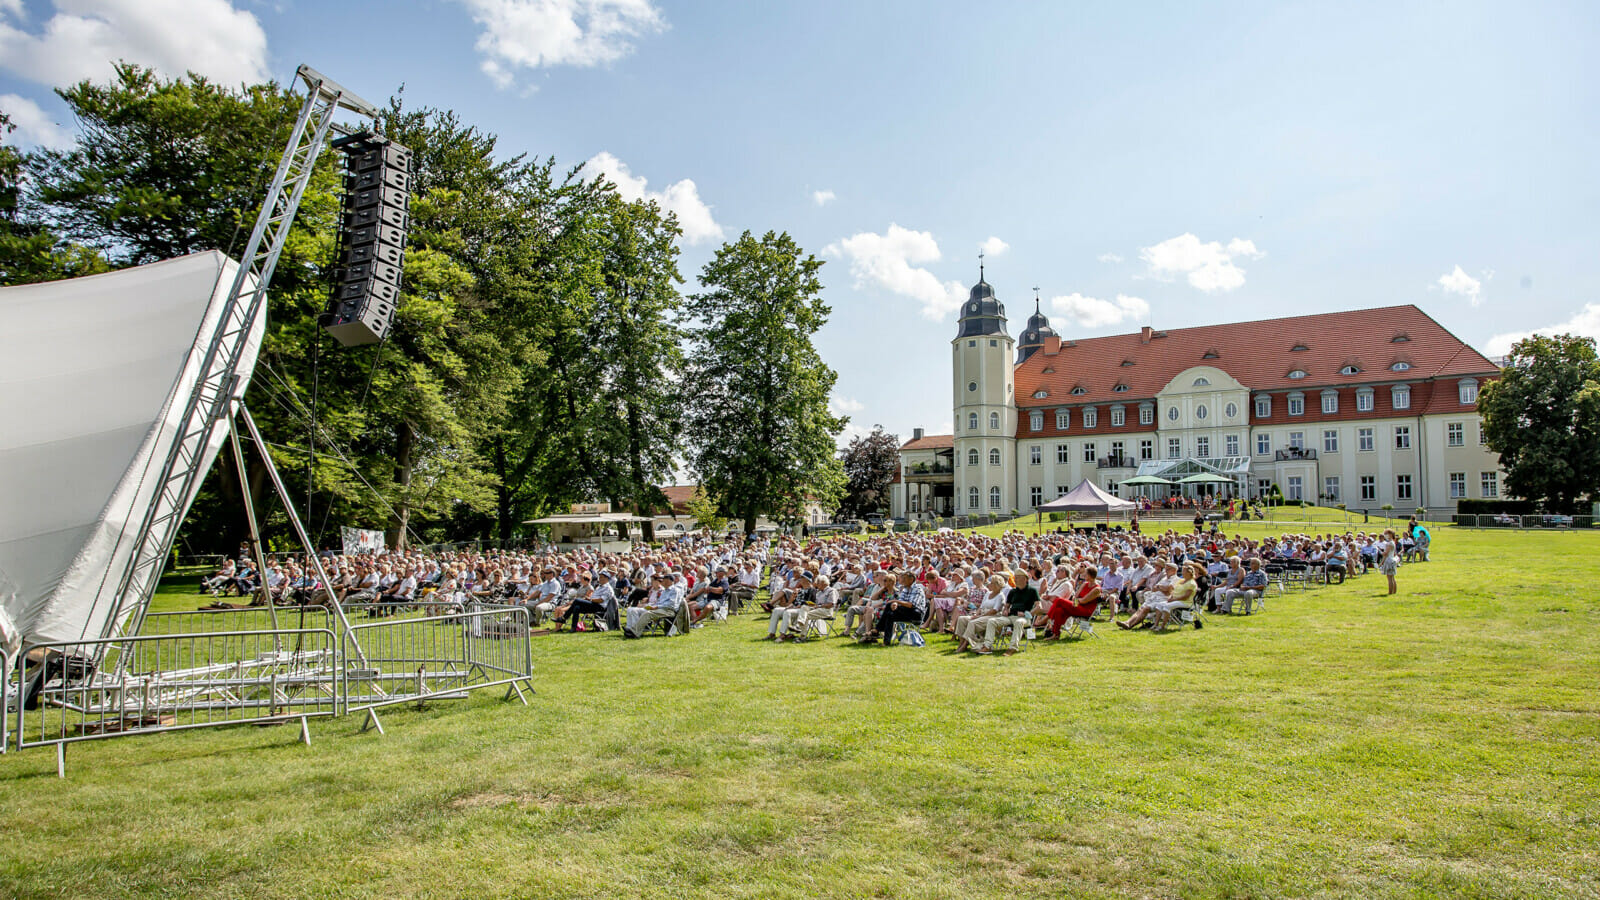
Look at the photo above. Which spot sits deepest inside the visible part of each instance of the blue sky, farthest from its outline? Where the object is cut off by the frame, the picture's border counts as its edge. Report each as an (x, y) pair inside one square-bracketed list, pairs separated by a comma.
[(1170, 164)]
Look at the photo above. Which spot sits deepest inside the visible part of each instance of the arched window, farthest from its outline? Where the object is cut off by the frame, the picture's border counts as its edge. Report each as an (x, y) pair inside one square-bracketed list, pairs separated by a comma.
[(972, 498), (994, 421), (994, 457), (1202, 381), (1468, 391), (994, 498), (972, 457), (972, 421)]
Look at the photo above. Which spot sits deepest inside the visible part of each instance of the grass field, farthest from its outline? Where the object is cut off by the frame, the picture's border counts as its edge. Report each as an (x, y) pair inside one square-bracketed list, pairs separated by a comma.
[(1341, 744)]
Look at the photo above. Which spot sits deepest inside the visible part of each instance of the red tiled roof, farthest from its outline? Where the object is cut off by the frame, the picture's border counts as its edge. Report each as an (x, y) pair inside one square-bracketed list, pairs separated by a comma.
[(1258, 354), (678, 495), (930, 442)]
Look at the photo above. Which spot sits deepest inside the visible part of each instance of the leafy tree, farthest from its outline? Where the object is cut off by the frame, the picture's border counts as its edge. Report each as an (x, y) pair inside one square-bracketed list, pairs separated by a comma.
[(704, 512), (870, 462), (1542, 415), (29, 250), (761, 438)]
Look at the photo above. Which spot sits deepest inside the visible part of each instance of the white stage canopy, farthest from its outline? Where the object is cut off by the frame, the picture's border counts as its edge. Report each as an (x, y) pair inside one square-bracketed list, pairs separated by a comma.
[(94, 376)]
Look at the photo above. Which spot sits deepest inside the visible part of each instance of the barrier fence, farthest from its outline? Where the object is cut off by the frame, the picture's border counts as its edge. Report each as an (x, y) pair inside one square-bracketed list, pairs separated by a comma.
[(85, 690), (1540, 522)]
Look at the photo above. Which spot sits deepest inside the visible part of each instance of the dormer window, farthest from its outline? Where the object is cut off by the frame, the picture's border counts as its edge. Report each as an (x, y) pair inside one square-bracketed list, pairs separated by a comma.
[(1036, 421), (1349, 370), (1079, 391), (1298, 347), (1063, 419), (1048, 370), (1202, 381), (1264, 406), (1119, 389), (1400, 337), (1211, 354), (1091, 418), (1127, 362), (1400, 396), (1040, 395), (1297, 374), (1400, 366), (1468, 391)]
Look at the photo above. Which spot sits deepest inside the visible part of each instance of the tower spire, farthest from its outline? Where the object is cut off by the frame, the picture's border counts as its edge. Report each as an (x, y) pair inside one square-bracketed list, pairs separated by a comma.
[(980, 265), (1035, 299)]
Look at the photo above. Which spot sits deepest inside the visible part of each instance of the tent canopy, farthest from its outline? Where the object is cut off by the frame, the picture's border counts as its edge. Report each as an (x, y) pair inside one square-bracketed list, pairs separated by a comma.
[(97, 373), (1087, 497), (1148, 479), (1205, 478)]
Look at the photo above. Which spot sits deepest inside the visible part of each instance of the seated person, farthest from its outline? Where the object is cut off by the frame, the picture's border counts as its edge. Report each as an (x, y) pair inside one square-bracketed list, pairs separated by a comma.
[(868, 607), (589, 600), (908, 604), (1181, 596), (817, 604), (992, 606), (1018, 615), (712, 593), (798, 592), (1159, 592), (1335, 563), (1229, 582), (663, 604), (1251, 587), (1081, 603)]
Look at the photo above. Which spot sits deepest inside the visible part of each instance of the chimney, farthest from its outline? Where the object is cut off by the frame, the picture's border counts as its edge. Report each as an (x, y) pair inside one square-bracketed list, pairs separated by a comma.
[(1144, 334), (916, 434)]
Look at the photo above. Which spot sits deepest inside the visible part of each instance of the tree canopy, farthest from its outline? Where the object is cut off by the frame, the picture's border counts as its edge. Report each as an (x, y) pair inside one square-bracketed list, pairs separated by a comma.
[(870, 462), (1542, 415)]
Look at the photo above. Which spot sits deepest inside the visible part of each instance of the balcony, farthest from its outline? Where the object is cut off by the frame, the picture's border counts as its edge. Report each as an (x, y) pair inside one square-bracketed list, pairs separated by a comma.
[(1116, 462), (931, 473), (1295, 453)]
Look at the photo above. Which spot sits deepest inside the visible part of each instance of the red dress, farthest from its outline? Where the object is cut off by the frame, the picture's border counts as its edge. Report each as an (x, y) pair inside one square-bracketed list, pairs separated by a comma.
[(1062, 608)]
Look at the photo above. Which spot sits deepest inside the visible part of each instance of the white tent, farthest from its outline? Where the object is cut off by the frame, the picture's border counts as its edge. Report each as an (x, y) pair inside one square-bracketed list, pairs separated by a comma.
[(1087, 497), (94, 376)]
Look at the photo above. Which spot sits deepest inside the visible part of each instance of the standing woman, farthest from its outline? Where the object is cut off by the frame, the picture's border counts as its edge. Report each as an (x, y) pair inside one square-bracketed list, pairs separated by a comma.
[(1389, 558)]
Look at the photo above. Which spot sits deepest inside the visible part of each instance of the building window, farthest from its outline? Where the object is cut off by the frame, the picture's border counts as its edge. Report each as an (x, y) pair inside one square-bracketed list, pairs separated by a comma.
[(1090, 417), (1400, 366), (1364, 400), (1063, 453), (972, 386), (1481, 439), (1116, 450), (994, 457), (1202, 447), (1458, 485), (1079, 391), (1200, 411), (1231, 410), (1455, 435), (972, 457), (994, 498), (1297, 374), (1035, 496), (1296, 488), (994, 421), (1402, 437), (972, 498), (1063, 419), (916, 503), (1330, 441), (1402, 487), (1035, 455), (1330, 401), (1364, 439), (1491, 484), (1202, 381), (1172, 414), (1369, 487), (1062, 489), (1263, 486), (972, 421), (1147, 449), (1118, 417), (1297, 404), (994, 342), (1297, 440), (1469, 392), (1400, 396), (1036, 421), (972, 343), (1330, 488), (1263, 407), (1349, 370), (1174, 449), (1088, 452), (1147, 414), (1232, 443), (1263, 443)]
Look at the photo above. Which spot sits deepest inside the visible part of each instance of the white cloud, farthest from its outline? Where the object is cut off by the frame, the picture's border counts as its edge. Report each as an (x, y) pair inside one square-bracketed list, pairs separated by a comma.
[(84, 37), (1586, 323), (529, 34), (846, 406), (994, 246), (1109, 258), (893, 261), (34, 126), (682, 198), (1092, 312), (822, 198), (1459, 282), (1208, 266)]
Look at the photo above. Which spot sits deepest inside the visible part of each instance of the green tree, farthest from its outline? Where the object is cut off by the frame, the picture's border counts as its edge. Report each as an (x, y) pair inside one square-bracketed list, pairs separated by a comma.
[(704, 512), (29, 250), (870, 462), (761, 438), (1542, 415)]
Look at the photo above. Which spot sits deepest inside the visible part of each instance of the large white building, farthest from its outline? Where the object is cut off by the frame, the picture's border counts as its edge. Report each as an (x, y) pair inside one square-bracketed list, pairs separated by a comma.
[(1366, 407)]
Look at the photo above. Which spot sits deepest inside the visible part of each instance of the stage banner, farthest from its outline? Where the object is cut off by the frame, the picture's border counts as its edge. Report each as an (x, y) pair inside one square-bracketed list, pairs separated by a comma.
[(360, 540)]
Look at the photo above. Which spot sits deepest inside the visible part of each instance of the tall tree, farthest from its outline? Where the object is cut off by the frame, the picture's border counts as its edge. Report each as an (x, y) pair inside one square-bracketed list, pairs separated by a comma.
[(29, 250), (1542, 415), (761, 438), (870, 462)]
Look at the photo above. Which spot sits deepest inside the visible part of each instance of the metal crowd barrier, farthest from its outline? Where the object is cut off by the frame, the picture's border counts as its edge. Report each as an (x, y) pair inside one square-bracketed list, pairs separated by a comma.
[(5, 701), (250, 618), (172, 682), (414, 657)]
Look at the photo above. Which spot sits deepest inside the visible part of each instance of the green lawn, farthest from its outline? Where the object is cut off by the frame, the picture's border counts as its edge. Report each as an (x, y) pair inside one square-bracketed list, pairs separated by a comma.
[(1442, 743)]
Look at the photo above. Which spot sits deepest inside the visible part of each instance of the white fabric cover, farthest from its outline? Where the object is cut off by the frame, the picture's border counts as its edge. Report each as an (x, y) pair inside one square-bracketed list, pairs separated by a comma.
[(1087, 497), (94, 376)]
